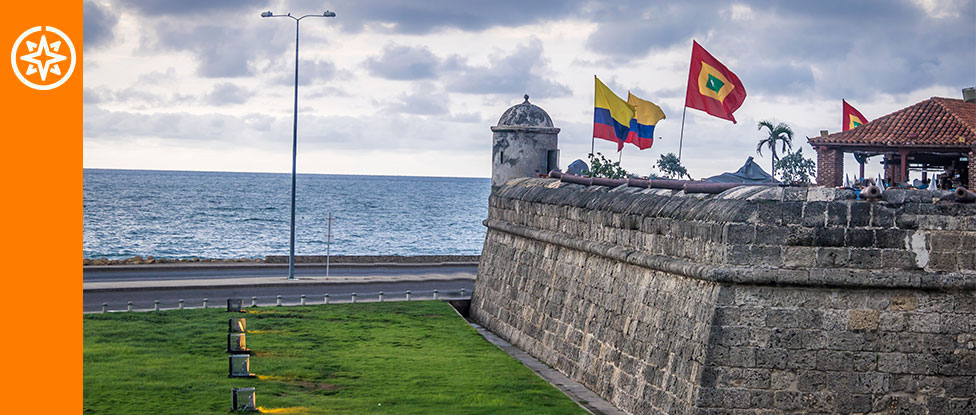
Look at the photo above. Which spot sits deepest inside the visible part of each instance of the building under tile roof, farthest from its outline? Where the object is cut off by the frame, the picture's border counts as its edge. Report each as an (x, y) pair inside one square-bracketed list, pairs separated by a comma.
[(935, 122), (937, 135)]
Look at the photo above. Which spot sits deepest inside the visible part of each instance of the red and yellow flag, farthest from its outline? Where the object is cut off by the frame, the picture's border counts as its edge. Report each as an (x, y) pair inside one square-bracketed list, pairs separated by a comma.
[(852, 117), (712, 87)]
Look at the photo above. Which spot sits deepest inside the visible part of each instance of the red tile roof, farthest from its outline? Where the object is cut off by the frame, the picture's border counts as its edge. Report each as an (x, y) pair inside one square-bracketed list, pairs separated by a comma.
[(935, 122)]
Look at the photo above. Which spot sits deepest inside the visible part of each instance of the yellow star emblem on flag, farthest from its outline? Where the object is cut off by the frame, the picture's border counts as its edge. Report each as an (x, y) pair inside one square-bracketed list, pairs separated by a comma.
[(712, 84)]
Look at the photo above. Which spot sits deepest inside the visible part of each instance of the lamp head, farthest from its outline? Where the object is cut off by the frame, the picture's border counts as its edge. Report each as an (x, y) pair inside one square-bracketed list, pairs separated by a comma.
[(266, 14), (328, 13)]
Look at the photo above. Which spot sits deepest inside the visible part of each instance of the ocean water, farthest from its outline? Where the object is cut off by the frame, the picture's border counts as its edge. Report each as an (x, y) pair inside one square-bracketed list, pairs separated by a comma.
[(181, 214)]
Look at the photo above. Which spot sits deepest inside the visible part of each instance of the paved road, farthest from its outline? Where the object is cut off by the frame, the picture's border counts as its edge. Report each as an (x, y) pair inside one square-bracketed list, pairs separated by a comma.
[(193, 296), (143, 284)]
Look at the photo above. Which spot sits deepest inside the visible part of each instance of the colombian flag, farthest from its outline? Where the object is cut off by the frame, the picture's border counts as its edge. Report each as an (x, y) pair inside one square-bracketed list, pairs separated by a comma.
[(611, 115), (646, 116), (712, 87), (852, 117)]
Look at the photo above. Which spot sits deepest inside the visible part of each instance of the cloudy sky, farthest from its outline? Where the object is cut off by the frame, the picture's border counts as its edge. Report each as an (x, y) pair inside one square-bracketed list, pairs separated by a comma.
[(412, 87)]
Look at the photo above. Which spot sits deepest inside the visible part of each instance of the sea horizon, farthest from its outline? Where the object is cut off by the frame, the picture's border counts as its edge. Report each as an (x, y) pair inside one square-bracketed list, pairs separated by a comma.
[(288, 173)]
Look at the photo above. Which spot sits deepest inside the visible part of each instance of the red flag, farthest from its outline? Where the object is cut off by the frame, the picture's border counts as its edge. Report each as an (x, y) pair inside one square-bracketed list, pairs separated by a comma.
[(712, 87), (852, 117)]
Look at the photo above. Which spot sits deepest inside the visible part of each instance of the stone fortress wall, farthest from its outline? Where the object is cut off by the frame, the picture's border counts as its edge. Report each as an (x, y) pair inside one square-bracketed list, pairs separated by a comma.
[(757, 300)]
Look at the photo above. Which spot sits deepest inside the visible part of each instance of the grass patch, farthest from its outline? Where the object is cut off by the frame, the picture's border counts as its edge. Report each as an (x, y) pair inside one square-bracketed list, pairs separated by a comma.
[(395, 358)]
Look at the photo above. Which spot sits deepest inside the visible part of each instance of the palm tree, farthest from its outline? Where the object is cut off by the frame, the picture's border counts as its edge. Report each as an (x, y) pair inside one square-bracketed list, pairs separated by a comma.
[(781, 133)]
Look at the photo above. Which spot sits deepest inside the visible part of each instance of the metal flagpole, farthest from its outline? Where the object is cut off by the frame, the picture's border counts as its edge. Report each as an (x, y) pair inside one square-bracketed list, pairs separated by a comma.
[(681, 138)]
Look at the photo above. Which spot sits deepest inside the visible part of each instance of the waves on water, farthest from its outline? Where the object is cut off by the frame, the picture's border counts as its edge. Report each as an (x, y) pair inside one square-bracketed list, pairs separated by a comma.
[(180, 214)]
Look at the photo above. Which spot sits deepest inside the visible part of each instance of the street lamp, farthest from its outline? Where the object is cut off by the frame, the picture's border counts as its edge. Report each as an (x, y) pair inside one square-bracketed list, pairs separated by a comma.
[(294, 144)]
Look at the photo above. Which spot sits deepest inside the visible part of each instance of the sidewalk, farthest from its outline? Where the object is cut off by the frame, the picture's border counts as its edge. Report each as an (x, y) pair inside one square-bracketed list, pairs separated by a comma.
[(232, 275)]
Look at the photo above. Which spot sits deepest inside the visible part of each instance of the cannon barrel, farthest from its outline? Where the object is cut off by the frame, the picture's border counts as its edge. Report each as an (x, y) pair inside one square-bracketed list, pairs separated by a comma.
[(709, 187), (603, 181), (572, 178), (965, 195), (555, 174), (639, 183), (667, 184), (871, 192)]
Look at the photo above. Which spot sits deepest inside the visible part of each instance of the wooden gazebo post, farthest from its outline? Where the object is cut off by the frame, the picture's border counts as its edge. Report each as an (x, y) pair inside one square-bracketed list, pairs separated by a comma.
[(904, 165)]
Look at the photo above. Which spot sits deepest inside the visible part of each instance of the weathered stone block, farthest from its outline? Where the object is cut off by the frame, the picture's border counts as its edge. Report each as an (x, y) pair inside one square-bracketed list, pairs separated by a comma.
[(770, 235), (799, 256), (832, 257), (815, 214), (942, 261), (829, 237), (788, 400), (740, 233), (864, 319), (882, 216), (860, 214), (860, 238), (837, 213), (898, 259)]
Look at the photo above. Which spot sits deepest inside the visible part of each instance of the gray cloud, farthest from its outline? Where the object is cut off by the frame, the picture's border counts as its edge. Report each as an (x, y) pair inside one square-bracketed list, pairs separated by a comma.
[(403, 63), (777, 78), (628, 31), (424, 99), (188, 7), (309, 72), (99, 25), (409, 132), (523, 71), (166, 77), (228, 93), (467, 117), (229, 46), (221, 51), (93, 96), (422, 17), (115, 125)]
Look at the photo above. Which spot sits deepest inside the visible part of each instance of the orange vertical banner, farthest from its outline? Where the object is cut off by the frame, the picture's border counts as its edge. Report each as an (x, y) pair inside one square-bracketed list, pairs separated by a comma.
[(41, 211)]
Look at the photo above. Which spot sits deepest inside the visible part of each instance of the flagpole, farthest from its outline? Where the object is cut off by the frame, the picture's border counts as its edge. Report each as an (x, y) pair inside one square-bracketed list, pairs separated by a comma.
[(681, 138), (592, 145)]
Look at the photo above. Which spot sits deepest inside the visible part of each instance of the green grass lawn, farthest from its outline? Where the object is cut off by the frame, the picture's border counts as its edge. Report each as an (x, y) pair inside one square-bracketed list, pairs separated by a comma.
[(395, 358)]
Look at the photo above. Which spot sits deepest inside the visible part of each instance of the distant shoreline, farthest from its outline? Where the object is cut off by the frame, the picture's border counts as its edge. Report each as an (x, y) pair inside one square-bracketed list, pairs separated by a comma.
[(283, 259)]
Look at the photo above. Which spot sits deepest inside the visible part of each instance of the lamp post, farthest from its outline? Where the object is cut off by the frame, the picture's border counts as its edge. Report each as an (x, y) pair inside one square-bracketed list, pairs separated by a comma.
[(294, 144)]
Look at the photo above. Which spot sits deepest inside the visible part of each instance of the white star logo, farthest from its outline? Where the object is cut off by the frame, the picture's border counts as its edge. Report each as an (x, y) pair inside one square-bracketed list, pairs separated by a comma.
[(44, 59), (49, 64)]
